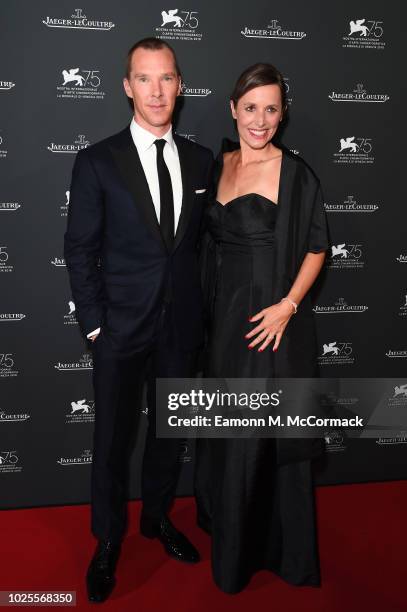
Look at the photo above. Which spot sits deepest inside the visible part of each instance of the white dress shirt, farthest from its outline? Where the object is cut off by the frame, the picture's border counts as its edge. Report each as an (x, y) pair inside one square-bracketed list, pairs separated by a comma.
[(144, 143)]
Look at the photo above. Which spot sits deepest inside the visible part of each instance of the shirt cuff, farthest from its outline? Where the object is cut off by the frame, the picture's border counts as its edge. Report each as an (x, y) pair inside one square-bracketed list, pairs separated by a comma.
[(93, 333)]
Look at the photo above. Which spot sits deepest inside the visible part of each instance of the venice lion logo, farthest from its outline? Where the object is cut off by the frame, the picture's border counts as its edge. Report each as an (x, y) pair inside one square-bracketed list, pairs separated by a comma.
[(72, 76), (80, 406), (170, 16), (340, 250), (330, 348), (347, 143), (357, 26), (400, 390)]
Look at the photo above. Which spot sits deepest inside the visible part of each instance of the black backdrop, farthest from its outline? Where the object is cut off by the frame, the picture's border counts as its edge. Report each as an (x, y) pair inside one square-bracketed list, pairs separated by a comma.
[(343, 67)]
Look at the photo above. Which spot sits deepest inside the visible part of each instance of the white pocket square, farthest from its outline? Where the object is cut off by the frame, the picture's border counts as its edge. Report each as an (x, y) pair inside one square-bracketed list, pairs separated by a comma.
[(200, 190)]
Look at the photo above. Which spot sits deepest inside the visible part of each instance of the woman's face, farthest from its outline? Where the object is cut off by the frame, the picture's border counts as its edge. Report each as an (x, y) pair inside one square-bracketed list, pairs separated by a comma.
[(258, 114)]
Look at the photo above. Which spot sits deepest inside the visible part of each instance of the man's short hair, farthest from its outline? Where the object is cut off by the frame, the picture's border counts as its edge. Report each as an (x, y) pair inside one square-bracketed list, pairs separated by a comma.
[(152, 44)]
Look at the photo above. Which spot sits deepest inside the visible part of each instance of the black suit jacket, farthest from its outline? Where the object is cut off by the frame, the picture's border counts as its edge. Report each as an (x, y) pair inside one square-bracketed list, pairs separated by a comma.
[(120, 270)]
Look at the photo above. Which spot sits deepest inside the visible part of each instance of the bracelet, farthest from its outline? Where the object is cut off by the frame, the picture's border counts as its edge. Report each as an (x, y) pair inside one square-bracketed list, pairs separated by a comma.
[(293, 304)]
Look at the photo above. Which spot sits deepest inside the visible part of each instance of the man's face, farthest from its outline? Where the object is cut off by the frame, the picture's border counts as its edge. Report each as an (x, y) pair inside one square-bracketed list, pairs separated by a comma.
[(154, 85)]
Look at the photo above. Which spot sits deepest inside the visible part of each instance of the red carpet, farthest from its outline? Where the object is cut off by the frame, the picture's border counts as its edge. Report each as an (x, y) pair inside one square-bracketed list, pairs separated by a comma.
[(362, 539)]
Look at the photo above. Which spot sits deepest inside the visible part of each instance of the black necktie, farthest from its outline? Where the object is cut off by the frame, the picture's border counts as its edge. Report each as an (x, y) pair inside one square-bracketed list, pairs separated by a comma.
[(166, 197)]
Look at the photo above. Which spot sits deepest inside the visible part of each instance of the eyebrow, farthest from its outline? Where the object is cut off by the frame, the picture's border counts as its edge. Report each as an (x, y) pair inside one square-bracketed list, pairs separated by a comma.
[(254, 104), (144, 74)]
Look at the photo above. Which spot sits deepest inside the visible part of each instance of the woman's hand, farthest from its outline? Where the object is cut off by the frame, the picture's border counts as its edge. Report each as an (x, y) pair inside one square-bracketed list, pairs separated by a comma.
[(273, 321)]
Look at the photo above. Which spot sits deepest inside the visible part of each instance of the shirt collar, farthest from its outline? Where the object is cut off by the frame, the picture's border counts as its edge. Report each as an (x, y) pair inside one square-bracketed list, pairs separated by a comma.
[(143, 139)]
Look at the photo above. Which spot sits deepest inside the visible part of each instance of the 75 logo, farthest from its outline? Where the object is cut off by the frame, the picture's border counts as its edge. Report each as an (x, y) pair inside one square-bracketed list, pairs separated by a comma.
[(190, 20), (91, 78), (9, 457), (346, 251), (364, 144), (338, 349), (84, 79), (355, 145), (173, 17), (6, 361)]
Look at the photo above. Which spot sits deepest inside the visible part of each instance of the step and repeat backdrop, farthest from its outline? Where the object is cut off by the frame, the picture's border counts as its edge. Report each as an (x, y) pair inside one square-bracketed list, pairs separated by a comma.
[(61, 70)]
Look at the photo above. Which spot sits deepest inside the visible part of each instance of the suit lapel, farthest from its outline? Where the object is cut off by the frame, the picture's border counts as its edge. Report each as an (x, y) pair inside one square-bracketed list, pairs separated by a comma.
[(128, 162), (187, 191)]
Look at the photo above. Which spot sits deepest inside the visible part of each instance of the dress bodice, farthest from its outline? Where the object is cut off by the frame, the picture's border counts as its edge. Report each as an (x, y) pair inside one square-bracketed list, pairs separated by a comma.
[(245, 221), (238, 279)]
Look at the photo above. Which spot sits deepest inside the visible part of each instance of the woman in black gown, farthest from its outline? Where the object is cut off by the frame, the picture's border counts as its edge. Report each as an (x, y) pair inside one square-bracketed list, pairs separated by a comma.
[(263, 249)]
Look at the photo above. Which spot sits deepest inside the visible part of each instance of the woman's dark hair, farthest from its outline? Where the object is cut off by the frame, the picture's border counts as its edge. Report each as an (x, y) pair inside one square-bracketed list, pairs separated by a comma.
[(256, 76)]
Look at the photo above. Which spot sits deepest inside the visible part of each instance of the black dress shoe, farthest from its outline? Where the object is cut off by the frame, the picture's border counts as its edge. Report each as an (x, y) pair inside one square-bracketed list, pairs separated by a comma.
[(100, 579), (175, 543)]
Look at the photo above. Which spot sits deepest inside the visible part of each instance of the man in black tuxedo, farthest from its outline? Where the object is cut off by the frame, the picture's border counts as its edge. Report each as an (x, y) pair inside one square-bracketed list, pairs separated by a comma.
[(131, 251)]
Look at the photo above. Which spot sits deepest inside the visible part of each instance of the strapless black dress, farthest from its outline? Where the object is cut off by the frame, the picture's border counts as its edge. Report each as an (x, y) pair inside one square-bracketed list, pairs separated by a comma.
[(260, 515), (242, 232)]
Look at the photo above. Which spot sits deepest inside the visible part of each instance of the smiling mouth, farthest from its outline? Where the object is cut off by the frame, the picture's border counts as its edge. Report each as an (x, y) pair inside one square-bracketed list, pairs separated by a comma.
[(258, 133)]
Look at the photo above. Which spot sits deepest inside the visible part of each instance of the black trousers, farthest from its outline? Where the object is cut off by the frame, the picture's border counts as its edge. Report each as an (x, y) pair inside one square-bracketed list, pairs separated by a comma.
[(118, 387)]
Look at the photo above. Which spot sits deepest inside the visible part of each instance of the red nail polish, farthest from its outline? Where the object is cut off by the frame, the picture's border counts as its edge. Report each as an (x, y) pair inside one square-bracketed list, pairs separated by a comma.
[(260, 350), (250, 347)]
